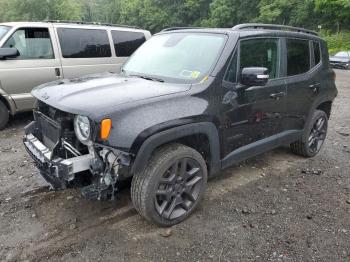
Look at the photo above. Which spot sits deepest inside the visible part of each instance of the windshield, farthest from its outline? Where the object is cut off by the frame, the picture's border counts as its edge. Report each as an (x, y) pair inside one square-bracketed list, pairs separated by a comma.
[(342, 54), (177, 57), (3, 30)]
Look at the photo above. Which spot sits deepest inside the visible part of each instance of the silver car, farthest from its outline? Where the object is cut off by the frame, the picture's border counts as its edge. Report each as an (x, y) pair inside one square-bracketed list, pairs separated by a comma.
[(33, 53)]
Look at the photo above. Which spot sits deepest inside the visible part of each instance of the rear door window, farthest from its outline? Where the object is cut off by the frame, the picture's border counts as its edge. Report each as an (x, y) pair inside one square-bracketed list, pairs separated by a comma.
[(126, 43), (298, 57), (84, 43), (31, 43)]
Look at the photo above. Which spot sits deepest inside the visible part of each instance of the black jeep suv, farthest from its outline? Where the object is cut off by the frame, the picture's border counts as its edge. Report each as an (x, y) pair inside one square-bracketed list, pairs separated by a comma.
[(188, 103)]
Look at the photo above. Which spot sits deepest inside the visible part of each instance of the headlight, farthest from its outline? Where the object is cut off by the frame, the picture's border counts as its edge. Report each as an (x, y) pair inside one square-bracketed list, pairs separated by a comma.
[(82, 128)]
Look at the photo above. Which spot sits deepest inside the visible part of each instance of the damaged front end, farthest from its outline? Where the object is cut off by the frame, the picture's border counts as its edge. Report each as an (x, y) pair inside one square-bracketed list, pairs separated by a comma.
[(66, 160)]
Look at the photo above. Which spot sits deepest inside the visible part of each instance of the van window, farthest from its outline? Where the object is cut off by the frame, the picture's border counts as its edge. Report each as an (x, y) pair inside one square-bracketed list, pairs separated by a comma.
[(3, 30), (32, 43), (84, 43), (298, 56), (317, 52), (125, 43), (260, 53)]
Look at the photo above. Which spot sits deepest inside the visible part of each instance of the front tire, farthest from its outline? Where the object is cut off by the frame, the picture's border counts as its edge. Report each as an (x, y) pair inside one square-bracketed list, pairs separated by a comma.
[(172, 185), (4, 115), (314, 136)]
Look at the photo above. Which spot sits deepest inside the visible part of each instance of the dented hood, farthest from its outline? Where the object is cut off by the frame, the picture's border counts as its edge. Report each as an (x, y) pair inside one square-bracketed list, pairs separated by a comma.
[(98, 94)]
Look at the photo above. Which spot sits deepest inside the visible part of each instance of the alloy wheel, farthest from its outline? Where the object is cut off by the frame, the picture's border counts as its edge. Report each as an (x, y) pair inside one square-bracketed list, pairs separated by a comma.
[(318, 134), (179, 188)]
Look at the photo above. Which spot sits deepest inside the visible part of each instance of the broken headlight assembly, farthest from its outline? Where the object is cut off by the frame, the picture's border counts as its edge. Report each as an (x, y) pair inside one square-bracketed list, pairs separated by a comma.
[(82, 129)]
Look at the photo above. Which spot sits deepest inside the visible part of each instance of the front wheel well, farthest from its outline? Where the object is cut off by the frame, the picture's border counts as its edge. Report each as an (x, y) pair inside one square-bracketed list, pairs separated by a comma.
[(202, 137), (326, 107), (5, 102), (200, 143)]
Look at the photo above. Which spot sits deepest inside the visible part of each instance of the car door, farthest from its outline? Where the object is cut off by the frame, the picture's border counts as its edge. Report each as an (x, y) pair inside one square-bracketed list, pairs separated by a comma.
[(86, 51), (37, 63), (303, 82), (251, 114)]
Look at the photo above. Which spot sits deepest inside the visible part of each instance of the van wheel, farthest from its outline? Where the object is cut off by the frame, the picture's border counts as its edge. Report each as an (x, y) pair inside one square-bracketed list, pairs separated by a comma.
[(172, 185), (314, 136), (4, 115)]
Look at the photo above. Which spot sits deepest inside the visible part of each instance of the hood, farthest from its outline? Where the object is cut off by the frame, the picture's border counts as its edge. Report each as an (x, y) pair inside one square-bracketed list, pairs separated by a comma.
[(97, 94), (342, 59)]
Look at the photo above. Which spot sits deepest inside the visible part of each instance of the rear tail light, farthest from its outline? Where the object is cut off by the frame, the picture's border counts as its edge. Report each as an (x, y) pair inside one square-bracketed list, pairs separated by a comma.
[(333, 75)]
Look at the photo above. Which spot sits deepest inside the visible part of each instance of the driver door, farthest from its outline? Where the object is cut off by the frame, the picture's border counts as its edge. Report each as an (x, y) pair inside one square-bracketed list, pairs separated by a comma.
[(37, 64), (251, 114)]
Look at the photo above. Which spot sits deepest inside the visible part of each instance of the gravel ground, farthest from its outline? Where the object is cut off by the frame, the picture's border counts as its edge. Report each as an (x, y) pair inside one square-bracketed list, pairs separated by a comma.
[(275, 207)]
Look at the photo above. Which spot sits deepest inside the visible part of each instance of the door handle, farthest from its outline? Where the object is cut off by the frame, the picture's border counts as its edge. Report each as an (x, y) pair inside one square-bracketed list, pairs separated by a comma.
[(278, 95), (315, 87), (58, 72)]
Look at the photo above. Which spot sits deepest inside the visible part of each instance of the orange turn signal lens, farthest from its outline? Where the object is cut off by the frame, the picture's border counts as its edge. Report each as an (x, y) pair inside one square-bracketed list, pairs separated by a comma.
[(106, 125)]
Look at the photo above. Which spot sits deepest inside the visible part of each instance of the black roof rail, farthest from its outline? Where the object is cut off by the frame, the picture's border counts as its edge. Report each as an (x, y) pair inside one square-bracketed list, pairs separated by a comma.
[(273, 27), (179, 28), (88, 23)]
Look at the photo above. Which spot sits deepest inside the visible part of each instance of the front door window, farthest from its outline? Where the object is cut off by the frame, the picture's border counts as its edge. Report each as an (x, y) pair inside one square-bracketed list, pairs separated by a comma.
[(260, 53), (32, 43)]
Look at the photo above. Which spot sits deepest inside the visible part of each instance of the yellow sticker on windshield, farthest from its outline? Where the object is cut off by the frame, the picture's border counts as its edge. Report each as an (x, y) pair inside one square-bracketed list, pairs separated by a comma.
[(195, 74)]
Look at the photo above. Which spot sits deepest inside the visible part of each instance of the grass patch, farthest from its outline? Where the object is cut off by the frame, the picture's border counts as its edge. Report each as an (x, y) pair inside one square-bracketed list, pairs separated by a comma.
[(338, 42)]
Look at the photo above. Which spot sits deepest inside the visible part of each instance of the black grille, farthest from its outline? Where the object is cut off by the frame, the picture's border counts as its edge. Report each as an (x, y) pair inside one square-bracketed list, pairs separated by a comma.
[(50, 129), (52, 125)]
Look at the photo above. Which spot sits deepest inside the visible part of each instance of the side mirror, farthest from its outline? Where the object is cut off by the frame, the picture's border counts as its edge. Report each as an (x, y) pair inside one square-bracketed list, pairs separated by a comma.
[(254, 76), (8, 53)]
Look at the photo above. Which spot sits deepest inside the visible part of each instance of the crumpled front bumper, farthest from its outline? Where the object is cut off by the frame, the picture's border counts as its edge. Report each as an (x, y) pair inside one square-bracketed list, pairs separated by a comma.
[(56, 171)]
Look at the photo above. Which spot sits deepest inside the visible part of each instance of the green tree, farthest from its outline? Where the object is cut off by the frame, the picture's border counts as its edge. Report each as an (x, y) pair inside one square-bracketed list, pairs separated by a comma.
[(227, 13), (64, 10), (334, 13)]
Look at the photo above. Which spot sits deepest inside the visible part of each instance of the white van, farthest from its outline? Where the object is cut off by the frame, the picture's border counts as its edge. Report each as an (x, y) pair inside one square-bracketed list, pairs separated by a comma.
[(33, 53)]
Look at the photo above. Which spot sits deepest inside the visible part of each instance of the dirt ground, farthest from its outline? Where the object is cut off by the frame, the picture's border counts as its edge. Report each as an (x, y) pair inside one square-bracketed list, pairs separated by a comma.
[(275, 207)]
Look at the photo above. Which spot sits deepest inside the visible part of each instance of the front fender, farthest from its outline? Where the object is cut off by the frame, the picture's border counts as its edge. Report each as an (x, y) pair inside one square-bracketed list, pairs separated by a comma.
[(151, 143)]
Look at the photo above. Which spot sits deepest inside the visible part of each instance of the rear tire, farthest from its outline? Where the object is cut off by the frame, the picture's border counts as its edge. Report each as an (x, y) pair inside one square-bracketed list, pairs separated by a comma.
[(314, 136), (172, 185), (4, 115)]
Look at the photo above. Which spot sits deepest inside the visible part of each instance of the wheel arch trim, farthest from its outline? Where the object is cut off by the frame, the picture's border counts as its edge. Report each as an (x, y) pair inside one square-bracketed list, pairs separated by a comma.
[(151, 143), (316, 105), (7, 100)]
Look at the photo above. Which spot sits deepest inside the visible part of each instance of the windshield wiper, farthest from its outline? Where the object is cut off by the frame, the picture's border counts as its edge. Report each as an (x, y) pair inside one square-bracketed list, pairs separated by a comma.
[(149, 78)]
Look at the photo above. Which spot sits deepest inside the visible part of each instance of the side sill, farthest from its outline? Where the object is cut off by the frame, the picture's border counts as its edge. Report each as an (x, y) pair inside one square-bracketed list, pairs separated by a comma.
[(260, 147)]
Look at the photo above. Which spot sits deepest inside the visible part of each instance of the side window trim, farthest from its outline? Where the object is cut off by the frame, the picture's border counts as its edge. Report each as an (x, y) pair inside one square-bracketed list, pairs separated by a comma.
[(51, 37), (313, 42), (311, 55), (235, 50), (284, 57)]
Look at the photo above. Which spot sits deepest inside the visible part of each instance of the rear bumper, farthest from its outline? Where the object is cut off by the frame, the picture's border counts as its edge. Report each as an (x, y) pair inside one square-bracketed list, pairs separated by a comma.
[(56, 171)]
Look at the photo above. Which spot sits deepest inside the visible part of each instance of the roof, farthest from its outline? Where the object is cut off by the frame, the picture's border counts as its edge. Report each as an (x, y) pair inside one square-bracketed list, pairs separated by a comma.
[(79, 24), (245, 30)]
